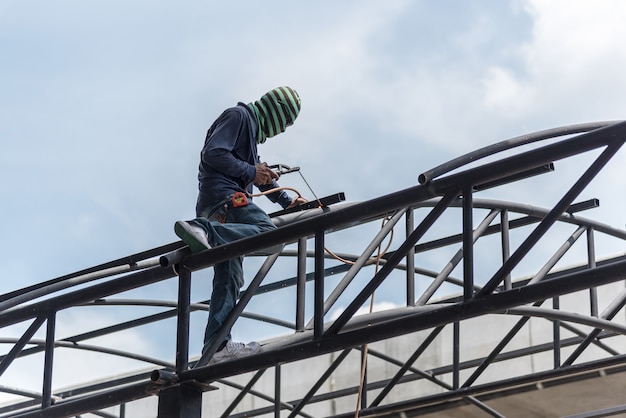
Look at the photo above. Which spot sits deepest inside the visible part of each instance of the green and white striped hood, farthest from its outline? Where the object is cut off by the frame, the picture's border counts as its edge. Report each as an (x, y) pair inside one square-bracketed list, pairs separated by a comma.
[(276, 110)]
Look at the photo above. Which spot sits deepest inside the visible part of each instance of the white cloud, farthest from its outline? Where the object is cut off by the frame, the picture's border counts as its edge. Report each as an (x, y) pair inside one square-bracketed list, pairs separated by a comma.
[(572, 63), (503, 90)]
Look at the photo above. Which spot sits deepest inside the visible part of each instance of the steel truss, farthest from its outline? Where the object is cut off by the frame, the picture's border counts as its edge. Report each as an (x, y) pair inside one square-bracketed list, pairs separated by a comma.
[(427, 310)]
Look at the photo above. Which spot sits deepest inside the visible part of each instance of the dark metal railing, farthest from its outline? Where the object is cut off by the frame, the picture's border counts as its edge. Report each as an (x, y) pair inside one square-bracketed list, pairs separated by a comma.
[(39, 304)]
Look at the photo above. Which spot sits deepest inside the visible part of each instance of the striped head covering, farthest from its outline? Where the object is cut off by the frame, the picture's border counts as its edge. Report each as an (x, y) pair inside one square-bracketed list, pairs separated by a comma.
[(276, 110)]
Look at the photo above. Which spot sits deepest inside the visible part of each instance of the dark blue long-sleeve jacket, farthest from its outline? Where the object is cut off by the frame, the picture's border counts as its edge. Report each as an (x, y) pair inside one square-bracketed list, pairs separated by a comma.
[(228, 158)]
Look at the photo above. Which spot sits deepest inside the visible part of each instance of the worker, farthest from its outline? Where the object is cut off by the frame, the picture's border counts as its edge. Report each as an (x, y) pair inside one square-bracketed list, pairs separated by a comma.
[(229, 167)]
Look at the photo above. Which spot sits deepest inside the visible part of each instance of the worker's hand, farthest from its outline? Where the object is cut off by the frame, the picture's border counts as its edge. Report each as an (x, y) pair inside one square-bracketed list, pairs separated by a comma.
[(264, 174), (296, 201)]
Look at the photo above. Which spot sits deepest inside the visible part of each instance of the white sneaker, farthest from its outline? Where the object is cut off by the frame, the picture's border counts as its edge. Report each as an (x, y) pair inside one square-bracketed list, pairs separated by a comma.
[(192, 235), (234, 350)]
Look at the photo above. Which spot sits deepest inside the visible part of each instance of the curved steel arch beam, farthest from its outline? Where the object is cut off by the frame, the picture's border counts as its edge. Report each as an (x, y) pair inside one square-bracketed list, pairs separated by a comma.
[(508, 144), (98, 349), (557, 315)]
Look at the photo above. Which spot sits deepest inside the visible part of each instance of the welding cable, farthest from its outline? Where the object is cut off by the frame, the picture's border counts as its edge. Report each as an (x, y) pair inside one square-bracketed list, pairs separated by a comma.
[(328, 251), (276, 189), (288, 188), (371, 260)]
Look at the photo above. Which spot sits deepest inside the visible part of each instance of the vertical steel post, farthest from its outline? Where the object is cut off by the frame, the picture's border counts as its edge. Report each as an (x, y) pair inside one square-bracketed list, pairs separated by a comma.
[(591, 262), (410, 261), (556, 334), (180, 401), (318, 324), (363, 404), (46, 397), (182, 325), (505, 237), (456, 355), (301, 285), (277, 390), (468, 244)]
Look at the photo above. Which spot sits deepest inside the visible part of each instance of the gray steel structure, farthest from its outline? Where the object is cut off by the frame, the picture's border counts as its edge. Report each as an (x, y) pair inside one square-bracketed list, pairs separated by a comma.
[(180, 382)]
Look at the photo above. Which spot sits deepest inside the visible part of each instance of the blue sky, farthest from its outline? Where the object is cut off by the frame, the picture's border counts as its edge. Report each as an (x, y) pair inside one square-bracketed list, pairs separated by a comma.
[(104, 104)]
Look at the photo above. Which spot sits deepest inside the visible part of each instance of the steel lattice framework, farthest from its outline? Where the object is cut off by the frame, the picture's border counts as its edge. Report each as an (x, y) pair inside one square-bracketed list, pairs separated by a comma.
[(420, 266)]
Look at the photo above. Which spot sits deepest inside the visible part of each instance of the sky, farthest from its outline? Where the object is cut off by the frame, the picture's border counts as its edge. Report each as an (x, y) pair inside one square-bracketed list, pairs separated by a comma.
[(104, 105)]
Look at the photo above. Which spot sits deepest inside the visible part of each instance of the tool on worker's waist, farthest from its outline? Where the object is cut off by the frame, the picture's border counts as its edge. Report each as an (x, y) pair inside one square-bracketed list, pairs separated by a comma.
[(239, 199)]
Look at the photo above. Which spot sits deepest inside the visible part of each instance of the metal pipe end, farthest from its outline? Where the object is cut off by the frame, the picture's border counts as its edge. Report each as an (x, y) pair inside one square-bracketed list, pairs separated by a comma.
[(169, 259), (162, 377)]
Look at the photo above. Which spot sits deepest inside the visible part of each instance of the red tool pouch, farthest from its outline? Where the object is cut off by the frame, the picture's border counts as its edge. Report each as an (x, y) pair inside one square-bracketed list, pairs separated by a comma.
[(239, 199)]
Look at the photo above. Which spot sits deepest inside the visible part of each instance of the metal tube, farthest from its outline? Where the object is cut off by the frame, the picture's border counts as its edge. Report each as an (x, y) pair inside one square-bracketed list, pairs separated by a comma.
[(591, 261), (174, 257), (162, 377), (410, 260), (97, 291), (318, 297), (301, 285), (556, 335), (277, 390), (75, 281), (46, 393), (128, 260), (563, 249), (75, 407), (182, 328), (468, 244), (97, 349), (456, 347), (509, 144), (363, 387), (597, 323), (505, 237)]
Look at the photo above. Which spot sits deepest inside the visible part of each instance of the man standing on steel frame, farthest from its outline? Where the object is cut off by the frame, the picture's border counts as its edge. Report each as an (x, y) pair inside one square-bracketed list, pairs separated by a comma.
[(229, 166)]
